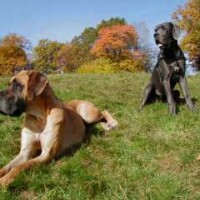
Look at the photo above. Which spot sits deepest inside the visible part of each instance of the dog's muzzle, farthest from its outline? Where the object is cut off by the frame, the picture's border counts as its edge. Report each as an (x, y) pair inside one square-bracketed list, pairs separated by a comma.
[(162, 41), (11, 104), (163, 36)]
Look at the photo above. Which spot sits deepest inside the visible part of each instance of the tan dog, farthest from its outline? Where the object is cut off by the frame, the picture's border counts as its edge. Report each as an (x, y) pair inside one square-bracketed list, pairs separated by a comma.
[(49, 127)]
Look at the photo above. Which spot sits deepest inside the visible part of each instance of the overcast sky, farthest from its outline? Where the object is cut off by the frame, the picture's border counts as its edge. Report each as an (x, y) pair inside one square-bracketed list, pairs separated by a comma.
[(61, 20)]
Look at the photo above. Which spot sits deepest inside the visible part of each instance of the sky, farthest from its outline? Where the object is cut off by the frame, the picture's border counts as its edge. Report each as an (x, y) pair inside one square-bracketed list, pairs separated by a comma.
[(61, 20)]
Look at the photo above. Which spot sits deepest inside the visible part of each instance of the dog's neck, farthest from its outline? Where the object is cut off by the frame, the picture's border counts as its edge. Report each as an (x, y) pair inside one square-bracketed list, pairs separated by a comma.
[(173, 52), (43, 104)]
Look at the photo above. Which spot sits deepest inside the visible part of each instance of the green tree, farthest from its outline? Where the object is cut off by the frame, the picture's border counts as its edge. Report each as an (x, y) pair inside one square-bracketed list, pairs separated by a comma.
[(111, 22), (84, 43), (45, 54)]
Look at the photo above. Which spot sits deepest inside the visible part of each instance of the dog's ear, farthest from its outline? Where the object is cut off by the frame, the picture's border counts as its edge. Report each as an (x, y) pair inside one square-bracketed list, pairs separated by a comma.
[(176, 31), (36, 84)]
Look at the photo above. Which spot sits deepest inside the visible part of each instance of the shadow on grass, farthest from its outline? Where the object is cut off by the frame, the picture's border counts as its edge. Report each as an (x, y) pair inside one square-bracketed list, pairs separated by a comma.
[(176, 94)]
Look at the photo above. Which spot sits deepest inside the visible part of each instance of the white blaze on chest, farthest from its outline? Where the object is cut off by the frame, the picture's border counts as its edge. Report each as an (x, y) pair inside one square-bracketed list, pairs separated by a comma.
[(49, 135)]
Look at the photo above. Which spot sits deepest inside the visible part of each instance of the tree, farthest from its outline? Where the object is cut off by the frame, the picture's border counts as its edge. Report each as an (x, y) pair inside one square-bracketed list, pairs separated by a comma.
[(111, 22), (70, 57), (45, 55), (15, 40), (116, 42), (188, 18), (12, 53), (84, 43)]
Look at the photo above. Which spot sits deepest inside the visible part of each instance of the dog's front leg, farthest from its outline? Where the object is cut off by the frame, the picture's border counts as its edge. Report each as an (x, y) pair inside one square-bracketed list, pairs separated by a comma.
[(50, 146), (28, 150), (20, 158), (170, 99), (10, 176), (146, 94), (184, 87)]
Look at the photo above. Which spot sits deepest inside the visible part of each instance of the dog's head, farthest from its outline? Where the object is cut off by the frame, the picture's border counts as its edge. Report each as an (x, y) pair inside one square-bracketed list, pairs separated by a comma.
[(165, 34), (22, 89)]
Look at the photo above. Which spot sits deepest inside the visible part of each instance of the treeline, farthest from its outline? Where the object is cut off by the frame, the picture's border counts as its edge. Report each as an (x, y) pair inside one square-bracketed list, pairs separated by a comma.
[(111, 46)]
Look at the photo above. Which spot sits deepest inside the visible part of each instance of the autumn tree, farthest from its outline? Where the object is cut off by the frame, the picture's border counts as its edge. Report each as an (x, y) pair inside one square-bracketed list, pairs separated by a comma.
[(16, 40), (70, 57), (83, 43), (188, 18), (45, 55), (116, 42), (13, 53)]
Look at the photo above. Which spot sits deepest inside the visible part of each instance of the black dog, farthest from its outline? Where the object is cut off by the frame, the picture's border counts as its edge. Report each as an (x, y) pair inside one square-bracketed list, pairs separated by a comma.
[(169, 70)]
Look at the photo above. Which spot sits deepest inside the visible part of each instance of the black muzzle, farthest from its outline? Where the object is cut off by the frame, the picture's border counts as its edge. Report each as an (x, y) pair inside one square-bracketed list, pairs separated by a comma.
[(11, 104)]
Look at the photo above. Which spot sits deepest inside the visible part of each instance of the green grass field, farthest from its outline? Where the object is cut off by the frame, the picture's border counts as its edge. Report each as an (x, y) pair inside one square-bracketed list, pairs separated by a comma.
[(151, 155)]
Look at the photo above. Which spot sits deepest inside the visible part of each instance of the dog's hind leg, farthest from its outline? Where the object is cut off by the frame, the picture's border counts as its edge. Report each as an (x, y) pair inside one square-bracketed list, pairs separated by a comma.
[(184, 87), (110, 122), (91, 114), (146, 95)]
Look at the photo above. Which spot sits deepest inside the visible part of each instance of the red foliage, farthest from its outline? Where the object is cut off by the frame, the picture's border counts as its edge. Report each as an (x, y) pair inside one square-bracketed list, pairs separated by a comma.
[(115, 42)]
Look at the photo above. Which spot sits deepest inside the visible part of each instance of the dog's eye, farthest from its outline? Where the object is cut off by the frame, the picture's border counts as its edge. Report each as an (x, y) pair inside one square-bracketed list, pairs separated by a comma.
[(163, 28), (16, 86)]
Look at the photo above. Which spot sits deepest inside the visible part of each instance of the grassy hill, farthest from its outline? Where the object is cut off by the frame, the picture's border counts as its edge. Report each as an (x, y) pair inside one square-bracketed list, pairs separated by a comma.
[(152, 155)]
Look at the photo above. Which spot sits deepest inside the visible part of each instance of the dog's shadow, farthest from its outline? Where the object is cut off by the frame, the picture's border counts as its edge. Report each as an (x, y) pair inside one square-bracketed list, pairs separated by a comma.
[(176, 94), (182, 101)]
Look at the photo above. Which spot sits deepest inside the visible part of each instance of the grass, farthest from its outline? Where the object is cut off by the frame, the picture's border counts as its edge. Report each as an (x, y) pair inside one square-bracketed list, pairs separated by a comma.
[(152, 155)]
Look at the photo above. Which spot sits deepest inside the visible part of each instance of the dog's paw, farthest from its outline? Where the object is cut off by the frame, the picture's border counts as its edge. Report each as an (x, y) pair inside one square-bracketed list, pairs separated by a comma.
[(7, 179), (141, 106), (110, 125), (193, 108), (198, 158), (4, 182)]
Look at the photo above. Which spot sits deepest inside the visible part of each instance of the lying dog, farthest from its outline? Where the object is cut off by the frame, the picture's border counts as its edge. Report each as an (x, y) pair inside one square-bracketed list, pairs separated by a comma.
[(169, 70), (49, 127)]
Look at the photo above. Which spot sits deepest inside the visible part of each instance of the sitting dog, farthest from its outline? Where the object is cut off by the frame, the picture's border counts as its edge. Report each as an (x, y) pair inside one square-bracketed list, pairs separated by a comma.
[(169, 70), (50, 126)]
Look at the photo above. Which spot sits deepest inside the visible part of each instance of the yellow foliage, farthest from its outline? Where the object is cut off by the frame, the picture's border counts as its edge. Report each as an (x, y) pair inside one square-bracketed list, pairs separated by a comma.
[(100, 65), (188, 18), (104, 65), (11, 57), (132, 65)]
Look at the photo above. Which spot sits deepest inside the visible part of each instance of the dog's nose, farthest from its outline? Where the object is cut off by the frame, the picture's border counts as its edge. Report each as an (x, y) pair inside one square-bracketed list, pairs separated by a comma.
[(155, 34)]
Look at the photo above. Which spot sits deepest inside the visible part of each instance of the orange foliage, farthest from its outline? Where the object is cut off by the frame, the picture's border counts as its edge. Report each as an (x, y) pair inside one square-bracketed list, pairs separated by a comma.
[(188, 18), (12, 53), (115, 42), (11, 57), (15, 40)]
